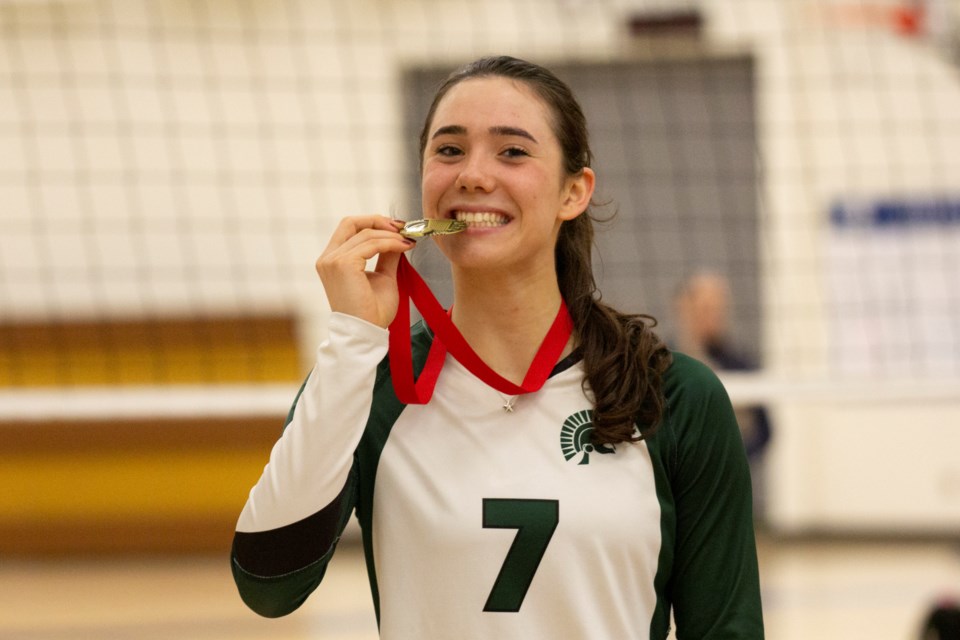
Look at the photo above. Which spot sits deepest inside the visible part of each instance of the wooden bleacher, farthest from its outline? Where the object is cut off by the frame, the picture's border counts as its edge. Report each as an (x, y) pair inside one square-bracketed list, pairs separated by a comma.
[(100, 453)]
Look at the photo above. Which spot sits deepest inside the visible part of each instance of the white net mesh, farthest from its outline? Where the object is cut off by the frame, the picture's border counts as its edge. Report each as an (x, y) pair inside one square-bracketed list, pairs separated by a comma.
[(175, 159), (165, 161)]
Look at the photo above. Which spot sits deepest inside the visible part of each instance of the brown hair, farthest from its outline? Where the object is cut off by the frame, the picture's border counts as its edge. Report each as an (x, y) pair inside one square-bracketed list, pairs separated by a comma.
[(623, 358)]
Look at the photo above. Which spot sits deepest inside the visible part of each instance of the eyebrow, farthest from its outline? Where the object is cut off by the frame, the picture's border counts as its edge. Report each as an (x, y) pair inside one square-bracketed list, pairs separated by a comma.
[(459, 130)]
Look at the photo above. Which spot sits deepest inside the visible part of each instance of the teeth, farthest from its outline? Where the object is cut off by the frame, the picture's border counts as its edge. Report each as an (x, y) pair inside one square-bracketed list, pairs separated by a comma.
[(482, 218)]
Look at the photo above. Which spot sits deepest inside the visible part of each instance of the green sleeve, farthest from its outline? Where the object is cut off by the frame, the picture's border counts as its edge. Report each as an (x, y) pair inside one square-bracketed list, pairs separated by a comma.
[(276, 596), (715, 584), (275, 571)]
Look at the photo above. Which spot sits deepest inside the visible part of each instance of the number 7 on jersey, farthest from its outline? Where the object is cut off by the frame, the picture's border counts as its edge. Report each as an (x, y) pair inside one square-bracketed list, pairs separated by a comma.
[(535, 522)]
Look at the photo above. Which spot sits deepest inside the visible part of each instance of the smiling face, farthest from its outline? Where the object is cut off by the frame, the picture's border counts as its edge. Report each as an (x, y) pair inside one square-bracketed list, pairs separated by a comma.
[(492, 160)]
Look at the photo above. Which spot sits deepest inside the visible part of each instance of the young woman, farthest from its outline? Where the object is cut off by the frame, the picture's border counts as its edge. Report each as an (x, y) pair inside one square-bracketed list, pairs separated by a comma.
[(559, 473)]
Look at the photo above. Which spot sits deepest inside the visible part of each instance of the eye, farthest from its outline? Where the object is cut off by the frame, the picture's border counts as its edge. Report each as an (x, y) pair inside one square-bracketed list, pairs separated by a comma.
[(448, 151), (515, 152)]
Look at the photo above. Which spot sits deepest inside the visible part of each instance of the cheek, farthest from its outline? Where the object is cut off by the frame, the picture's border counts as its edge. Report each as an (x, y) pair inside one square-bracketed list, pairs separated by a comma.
[(543, 192), (433, 183)]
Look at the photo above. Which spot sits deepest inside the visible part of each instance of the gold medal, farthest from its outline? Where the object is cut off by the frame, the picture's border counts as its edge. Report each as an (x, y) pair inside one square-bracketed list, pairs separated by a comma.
[(431, 227)]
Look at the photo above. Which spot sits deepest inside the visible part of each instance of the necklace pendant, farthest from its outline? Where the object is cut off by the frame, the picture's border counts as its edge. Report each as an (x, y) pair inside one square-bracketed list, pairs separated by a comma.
[(508, 404)]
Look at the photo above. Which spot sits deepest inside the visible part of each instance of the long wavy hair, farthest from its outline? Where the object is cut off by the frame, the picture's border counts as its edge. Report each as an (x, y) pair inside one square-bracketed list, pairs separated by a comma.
[(623, 358)]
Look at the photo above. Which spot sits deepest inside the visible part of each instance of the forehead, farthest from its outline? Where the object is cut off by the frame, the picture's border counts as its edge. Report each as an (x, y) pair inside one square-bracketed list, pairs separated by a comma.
[(493, 101)]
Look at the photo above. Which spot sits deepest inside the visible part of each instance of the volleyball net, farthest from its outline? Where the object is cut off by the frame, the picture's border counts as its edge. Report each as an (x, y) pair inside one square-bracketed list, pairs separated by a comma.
[(170, 171)]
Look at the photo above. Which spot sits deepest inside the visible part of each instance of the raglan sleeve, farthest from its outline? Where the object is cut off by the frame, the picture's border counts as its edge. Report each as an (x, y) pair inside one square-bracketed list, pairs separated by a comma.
[(715, 583), (296, 512)]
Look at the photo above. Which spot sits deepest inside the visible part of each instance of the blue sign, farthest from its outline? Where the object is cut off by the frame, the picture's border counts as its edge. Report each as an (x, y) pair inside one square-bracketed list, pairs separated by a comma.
[(896, 213)]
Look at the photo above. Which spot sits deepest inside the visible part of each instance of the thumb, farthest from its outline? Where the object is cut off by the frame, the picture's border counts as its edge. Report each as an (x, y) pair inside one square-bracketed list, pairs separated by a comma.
[(387, 264)]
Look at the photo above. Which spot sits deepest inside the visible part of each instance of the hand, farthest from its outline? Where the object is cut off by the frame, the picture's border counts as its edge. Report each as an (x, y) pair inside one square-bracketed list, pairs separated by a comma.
[(350, 288)]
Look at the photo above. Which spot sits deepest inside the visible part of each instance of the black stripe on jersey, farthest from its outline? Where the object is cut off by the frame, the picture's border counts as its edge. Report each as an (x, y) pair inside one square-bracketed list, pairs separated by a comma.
[(575, 356), (292, 547)]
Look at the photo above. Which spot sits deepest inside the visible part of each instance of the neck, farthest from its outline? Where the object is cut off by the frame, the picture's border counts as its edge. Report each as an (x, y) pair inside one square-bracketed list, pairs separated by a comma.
[(505, 318)]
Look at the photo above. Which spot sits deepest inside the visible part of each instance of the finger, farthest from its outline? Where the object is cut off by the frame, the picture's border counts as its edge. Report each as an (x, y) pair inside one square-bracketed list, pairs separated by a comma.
[(352, 225), (387, 264), (368, 243), (354, 255)]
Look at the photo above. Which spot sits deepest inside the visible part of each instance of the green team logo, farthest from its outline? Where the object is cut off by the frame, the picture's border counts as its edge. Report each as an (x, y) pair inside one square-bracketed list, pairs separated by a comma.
[(575, 438)]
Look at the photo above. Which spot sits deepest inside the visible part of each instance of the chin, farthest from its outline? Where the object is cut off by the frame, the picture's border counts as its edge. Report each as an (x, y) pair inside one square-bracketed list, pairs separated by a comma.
[(464, 256)]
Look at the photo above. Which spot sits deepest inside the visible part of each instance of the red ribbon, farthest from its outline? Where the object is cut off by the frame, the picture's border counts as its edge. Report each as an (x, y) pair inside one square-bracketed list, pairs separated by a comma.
[(446, 337)]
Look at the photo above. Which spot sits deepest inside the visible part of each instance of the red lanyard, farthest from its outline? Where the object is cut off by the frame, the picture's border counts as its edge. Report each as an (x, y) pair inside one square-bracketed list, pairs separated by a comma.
[(446, 337)]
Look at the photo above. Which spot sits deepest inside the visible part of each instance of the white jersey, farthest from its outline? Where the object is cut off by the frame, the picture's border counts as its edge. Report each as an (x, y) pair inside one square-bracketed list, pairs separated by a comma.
[(484, 522)]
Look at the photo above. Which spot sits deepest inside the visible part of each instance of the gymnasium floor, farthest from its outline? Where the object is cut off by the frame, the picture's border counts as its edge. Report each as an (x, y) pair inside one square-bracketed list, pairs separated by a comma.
[(839, 589)]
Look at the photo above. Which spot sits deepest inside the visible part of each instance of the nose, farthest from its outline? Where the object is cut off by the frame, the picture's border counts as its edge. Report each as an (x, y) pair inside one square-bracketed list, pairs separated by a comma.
[(475, 175)]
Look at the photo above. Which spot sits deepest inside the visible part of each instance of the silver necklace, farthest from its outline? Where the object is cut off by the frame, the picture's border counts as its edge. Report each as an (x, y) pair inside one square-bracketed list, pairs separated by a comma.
[(507, 402)]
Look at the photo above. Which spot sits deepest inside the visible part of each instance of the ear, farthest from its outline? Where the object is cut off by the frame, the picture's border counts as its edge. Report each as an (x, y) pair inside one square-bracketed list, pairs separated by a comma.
[(578, 191)]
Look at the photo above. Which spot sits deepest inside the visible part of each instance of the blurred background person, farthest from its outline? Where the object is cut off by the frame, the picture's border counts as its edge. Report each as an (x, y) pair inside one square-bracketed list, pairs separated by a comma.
[(702, 308)]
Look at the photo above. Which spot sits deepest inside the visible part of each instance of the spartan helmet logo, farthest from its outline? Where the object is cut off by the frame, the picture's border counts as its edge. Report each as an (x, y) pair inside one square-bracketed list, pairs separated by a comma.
[(575, 437)]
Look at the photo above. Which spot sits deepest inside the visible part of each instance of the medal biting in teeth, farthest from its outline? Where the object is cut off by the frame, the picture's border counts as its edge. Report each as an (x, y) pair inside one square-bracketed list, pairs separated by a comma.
[(431, 227)]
